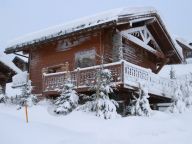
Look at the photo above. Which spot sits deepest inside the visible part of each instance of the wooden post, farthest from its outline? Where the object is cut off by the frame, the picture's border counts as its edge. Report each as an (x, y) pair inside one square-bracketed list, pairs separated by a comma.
[(122, 72), (77, 78), (26, 113), (67, 69)]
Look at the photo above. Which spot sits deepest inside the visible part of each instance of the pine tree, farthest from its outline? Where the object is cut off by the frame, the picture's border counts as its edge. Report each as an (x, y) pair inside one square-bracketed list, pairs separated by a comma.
[(2, 96), (187, 94), (140, 105), (178, 105), (101, 103), (68, 100), (172, 73), (26, 96)]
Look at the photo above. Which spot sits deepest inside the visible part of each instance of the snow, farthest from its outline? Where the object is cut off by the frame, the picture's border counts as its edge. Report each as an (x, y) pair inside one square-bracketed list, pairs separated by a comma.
[(86, 22), (12, 92), (84, 128), (20, 79), (25, 59), (7, 60), (181, 70), (189, 60), (185, 42)]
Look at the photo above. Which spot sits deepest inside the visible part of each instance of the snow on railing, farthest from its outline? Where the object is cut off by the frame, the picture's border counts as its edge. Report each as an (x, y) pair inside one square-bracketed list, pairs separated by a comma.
[(133, 75)]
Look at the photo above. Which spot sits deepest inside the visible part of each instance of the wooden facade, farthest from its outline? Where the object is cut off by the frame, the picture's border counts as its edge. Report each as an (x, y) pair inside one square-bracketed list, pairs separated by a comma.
[(141, 41), (186, 47)]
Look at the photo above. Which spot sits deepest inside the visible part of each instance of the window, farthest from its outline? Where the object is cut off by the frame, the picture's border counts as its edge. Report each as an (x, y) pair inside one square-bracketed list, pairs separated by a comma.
[(85, 58), (56, 68), (189, 54)]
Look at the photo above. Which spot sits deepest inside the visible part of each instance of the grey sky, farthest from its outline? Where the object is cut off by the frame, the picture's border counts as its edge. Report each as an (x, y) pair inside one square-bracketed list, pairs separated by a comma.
[(19, 17)]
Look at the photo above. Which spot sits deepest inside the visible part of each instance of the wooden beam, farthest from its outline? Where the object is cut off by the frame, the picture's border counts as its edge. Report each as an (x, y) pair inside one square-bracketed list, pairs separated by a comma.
[(20, 55), (145, 46), (161, 65), (141, 36)]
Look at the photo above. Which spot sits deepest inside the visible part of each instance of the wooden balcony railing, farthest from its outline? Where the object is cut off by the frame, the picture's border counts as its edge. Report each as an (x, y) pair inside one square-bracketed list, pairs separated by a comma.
[(81, 78), (125, 73)]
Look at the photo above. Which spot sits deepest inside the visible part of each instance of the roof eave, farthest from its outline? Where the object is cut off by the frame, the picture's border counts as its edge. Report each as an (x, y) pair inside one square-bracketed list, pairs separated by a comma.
[(27, 46), (169, 38), (9, 68)]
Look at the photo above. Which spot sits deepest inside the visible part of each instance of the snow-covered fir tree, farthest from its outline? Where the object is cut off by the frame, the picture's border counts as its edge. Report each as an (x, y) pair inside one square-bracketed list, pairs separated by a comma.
[(101, 103), (68, 100), (187, 93), (172, 73), (178, 105), (2, 95), (26, 96), (140, 106)]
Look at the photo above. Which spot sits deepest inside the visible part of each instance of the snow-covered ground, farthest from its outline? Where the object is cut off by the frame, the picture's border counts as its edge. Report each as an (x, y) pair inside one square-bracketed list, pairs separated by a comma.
[(84, 128)]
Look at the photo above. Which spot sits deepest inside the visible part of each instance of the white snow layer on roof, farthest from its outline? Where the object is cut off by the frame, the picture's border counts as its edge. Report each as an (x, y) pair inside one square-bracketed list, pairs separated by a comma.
[(185, 42), (12, 92), (7, 60), (82, 23), (25, 59), (179, 49)]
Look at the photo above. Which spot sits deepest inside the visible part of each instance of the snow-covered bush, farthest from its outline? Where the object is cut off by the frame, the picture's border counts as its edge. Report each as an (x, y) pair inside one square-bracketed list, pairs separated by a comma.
[(178, 105), (182, 93), (2, 95), (140, 106), (101, 103), (68, 100)]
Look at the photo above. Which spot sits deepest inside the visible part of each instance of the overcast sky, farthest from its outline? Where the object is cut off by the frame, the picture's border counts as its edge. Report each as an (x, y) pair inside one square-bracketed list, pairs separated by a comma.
[(19, 17)]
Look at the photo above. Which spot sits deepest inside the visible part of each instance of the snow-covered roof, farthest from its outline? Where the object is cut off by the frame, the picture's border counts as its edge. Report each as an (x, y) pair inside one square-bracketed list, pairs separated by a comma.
[(86, 22), (184, 42), (179, 49), (12, 92), (7, 60), (24, 59)]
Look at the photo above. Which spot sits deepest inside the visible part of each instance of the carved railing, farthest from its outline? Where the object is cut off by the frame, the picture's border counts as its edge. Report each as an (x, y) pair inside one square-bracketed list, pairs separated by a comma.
[(134, 75), (122, 72), (81, 77)]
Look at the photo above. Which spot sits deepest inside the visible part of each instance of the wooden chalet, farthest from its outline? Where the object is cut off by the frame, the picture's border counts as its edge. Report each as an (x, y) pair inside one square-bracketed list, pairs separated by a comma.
[(21, 63), (7, 70), (133, 42), (186, 46)]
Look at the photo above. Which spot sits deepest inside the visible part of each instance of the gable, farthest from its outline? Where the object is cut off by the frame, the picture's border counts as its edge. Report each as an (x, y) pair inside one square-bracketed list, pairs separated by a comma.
[(142, 37)]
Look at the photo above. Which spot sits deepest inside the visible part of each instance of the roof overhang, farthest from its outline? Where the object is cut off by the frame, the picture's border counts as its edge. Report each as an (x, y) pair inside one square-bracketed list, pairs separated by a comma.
[(29, 45), (7, 69)]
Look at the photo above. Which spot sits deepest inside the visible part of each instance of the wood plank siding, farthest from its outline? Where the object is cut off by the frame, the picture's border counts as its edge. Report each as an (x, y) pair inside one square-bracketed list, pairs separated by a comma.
[(51, 54)]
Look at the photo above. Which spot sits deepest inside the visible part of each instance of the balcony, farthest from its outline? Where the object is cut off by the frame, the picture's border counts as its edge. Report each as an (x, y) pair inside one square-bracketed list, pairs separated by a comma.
[(125, 73)]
